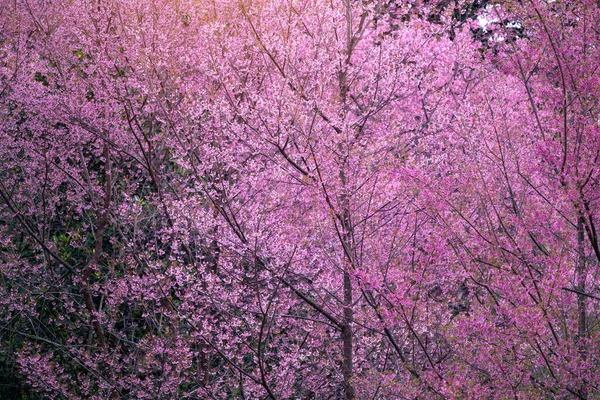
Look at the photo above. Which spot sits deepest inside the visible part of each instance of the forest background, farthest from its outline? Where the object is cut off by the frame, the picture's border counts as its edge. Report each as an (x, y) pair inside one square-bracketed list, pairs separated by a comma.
[(299, 199)]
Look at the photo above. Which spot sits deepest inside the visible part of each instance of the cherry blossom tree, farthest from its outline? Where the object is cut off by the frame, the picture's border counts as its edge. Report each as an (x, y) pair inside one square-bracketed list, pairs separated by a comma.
[(299, 199)]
